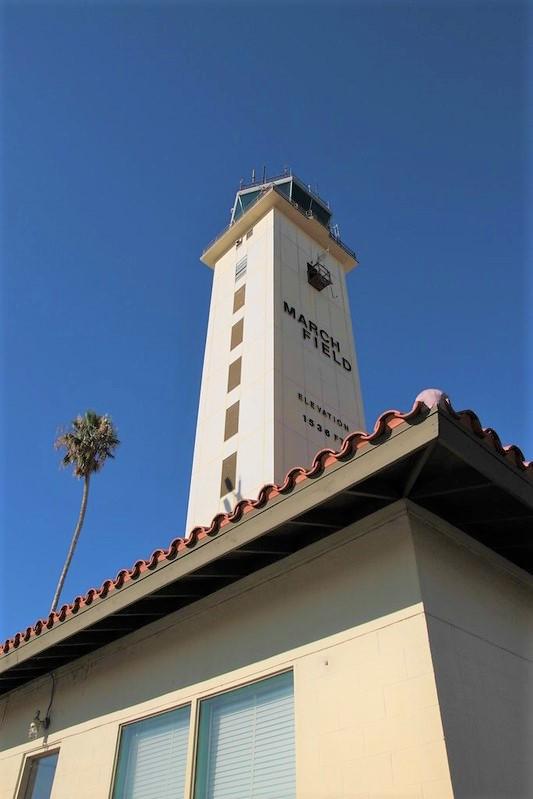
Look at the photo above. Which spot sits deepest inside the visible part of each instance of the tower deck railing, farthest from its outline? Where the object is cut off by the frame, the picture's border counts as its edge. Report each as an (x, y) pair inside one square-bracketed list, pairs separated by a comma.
[(287, 174)]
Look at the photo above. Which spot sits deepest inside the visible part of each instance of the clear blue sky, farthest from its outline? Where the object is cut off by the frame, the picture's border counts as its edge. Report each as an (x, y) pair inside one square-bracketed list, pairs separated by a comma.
[(125, 131)]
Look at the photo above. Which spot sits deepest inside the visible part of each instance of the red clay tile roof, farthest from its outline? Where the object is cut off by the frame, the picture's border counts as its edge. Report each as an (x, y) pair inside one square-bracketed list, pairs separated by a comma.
[(325, 458)]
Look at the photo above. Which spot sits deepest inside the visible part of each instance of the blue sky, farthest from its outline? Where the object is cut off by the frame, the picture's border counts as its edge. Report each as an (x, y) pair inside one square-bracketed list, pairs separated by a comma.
[(126, 128)]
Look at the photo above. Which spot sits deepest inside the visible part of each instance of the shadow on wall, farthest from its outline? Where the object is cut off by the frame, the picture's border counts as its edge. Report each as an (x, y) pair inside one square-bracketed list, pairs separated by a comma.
[(479, 620), (236, 495)]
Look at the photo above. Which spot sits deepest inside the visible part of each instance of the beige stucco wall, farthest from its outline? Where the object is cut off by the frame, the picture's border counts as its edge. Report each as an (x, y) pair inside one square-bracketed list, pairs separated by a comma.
[(480, 618), (345, 614)]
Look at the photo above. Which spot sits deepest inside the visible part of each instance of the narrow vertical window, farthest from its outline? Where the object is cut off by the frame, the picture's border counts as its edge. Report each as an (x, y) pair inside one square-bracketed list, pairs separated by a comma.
[(246, 743), (229, 473), (236, 334), (39, 777), (240, 267), (238, 298), (153, 757), (234, 374), (231, 425)]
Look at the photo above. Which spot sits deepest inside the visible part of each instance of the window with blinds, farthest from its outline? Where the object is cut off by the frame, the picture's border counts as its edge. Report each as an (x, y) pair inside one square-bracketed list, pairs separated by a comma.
[(153, 757), (246, 743), (240, 267)]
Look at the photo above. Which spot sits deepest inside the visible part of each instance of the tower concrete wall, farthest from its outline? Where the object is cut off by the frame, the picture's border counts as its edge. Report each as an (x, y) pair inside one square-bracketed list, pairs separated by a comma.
[(298, 389)]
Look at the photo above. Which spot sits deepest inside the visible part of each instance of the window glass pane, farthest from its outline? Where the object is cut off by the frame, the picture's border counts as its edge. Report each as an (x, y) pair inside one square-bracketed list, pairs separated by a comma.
[(248, 199), (244, 201), (41, 777), (285, 188), (153, 757), (246, 743)]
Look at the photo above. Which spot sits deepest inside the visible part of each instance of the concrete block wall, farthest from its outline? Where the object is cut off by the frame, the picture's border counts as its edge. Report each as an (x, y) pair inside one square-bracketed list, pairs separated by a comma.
[(479, 611)]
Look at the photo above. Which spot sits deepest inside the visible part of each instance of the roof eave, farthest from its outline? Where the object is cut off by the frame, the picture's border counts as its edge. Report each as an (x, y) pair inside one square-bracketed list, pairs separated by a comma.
[(439, 459), (304, 497)]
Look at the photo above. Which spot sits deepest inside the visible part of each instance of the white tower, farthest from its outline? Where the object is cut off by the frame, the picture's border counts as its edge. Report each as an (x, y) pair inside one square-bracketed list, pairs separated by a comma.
[(280, 378)]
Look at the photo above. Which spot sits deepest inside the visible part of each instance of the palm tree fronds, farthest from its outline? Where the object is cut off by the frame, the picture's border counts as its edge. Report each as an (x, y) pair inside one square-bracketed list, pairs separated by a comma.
[(89, 442)]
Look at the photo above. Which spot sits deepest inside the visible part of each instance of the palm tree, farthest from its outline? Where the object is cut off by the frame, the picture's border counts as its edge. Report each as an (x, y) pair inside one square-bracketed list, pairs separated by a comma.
[(89, 442)]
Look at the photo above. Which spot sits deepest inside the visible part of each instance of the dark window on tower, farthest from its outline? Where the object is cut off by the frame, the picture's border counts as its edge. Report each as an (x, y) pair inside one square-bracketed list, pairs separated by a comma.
[(238, 298), (229, 472), (236, 334), (232, 421), (234, 374)]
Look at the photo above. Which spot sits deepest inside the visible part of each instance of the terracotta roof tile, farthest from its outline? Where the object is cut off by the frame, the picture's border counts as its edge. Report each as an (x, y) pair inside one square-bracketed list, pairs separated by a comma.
[(325, 458)]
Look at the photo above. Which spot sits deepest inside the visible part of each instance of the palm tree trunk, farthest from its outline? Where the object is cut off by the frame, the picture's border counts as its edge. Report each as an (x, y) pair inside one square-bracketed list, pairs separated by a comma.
[(73, 543)]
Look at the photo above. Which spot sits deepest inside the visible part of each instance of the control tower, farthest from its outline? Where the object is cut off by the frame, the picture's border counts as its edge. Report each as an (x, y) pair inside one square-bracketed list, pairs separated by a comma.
[(280, 378)]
